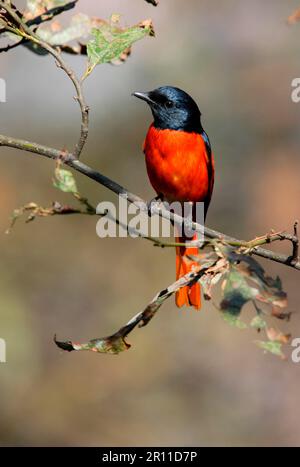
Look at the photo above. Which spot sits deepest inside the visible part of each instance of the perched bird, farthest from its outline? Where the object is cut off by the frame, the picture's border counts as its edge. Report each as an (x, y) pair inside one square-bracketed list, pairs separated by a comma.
[(180, 165)]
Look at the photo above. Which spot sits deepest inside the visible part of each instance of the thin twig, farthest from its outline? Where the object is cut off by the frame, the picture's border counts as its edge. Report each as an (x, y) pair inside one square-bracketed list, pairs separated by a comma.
[(116, 342), (71, 161), (12, 46), (295, 241), (28, 34), (48, 15)]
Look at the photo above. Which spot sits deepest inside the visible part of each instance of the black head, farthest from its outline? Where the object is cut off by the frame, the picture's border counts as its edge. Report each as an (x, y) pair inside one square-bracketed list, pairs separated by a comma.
[(173, 109)]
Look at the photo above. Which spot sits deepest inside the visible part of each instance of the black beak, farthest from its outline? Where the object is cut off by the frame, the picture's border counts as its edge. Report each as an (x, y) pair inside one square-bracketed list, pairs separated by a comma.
[(145, 96)]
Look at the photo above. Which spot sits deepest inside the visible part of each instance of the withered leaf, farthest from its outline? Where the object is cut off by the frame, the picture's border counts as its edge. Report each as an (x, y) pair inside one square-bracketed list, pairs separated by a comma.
[(112, 345), (34, 210), (277, 336), (237, 292), (237, 287), (294, 17), (116, 343)]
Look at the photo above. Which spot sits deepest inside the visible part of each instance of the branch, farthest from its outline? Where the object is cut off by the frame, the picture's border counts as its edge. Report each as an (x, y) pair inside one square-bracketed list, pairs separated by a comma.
[(253, 247), (34, 210), (12, 46), (36, 21), (238, 272), (116, 343), (48, 15), (24, 31)]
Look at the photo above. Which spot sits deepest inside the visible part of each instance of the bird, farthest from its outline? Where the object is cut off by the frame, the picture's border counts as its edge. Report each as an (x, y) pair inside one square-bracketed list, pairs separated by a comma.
[(180, 166)]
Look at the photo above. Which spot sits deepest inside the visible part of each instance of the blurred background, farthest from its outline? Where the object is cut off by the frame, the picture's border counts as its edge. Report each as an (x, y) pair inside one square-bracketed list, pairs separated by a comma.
[(189, 378)]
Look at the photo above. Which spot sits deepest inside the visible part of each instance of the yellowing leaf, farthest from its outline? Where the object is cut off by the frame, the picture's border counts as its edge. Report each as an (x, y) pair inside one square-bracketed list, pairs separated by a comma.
[(258, 323), (234, 320), (277, 336), (112, 345), (272, 347), (295, 17), (64, 181)]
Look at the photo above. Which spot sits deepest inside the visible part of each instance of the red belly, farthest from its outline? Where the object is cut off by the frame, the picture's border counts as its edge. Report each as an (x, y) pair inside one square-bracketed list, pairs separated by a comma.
[(177, 164)]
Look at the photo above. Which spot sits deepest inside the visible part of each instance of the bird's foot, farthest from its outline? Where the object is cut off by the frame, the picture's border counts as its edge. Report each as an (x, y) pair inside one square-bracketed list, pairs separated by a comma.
[(154, 203)]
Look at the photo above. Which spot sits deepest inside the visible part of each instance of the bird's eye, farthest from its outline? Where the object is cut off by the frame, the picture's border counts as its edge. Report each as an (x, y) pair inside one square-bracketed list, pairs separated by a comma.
[(169, 104)]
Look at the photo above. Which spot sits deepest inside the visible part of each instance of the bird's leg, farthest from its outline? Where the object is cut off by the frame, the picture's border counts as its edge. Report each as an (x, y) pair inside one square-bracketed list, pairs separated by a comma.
[(155, 202), (188, 222)]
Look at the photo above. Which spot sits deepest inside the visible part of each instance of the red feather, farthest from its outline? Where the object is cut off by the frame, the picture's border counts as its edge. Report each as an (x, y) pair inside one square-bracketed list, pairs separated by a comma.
[(177, 164), (180, 168)]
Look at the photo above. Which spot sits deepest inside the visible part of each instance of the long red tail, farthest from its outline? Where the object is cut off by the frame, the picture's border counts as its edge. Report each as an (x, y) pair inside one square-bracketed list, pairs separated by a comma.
[(189, 295)]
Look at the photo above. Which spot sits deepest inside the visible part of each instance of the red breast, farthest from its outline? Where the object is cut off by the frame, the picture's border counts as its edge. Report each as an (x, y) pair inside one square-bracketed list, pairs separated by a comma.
[(177, 164)]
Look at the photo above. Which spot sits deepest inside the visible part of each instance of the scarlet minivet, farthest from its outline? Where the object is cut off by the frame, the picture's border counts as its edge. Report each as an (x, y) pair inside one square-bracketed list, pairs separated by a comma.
[(180, 165)]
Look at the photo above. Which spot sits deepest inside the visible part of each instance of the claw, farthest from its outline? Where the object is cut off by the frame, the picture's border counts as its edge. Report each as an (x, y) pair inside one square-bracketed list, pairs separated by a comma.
[(154, 202)]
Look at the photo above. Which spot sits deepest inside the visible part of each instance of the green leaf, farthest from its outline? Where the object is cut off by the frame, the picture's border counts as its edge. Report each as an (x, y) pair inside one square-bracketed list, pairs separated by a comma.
[(270, 290), (258, 323), (271, 346), (65, 181), (110, 41), (237, 292), (234, 320)]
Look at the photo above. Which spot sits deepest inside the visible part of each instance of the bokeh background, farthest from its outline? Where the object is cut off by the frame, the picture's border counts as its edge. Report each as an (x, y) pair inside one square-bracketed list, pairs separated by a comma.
[(189, 378)]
